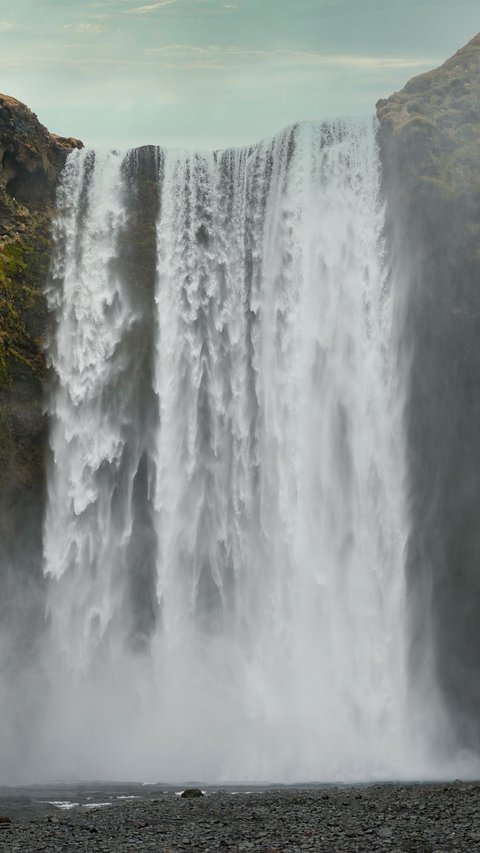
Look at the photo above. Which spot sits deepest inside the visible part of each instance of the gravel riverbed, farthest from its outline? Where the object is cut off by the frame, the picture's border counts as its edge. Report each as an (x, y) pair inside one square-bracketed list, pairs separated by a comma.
[(418, 818)]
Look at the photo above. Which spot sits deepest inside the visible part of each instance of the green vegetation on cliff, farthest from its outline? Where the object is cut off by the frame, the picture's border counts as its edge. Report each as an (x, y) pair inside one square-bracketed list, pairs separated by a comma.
[(23, 269), (31, 160)]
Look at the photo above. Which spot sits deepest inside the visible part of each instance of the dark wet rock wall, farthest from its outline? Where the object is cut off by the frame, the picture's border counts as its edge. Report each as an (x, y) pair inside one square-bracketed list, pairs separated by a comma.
[(430, 148), (31, 160)]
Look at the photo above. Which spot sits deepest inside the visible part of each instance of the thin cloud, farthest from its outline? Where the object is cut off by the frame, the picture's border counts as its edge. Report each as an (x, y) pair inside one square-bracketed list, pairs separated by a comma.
[(4, 25), (89, 29), (184, 58), (213, 56), (93, 16), (203, 7), (152, 7)]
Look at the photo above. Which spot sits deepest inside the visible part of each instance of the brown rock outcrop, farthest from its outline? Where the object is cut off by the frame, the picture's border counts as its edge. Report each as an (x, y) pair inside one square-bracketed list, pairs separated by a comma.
[(31, 157)]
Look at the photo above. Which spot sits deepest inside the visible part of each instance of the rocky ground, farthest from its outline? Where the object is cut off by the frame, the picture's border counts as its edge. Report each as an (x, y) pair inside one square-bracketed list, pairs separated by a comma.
[(414, 818)]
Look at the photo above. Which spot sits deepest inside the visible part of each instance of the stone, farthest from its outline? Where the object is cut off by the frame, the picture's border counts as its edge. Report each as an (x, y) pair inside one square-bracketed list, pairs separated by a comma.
[(384, 832)]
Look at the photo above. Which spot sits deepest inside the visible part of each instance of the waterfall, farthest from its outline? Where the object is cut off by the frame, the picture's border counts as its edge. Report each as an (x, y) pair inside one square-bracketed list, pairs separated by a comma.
[(226, 522)]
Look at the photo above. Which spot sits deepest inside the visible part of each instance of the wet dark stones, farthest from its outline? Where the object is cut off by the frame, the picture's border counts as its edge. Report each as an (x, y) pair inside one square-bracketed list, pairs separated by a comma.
[(368, 819)]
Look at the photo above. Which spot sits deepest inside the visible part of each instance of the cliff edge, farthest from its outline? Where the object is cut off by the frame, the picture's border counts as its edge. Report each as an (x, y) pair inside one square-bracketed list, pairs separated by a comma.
[(429, 136), (434, 125), (31, 160)]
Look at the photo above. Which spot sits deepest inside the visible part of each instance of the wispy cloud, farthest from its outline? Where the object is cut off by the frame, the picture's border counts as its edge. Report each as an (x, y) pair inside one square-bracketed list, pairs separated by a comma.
[(213, 56), (215, 64), (152, 7), (229, 60), (113, 7), (87, 29), (4, 25)]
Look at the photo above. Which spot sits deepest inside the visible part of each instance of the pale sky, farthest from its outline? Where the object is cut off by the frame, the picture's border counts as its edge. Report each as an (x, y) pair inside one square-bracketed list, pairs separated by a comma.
[(213, 73)]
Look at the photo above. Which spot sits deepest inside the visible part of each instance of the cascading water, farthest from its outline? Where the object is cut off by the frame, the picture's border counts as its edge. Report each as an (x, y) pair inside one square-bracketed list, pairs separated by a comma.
[(225, 531)]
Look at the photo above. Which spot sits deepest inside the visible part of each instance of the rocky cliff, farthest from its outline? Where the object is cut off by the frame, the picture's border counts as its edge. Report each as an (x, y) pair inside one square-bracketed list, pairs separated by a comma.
[(430, 148), (31, 160), (429, 135)]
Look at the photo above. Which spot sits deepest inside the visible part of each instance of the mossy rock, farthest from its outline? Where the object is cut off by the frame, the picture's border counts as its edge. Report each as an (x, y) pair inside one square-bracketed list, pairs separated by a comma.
[(31, 160), (23, 268)]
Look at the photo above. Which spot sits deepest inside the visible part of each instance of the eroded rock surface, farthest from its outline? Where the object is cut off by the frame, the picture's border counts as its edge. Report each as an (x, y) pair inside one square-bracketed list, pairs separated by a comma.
[(31, 160), (434, 126), (430, 148)]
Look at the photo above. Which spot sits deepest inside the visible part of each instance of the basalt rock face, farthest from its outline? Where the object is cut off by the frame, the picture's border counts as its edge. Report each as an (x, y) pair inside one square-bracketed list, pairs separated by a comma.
[(430, 147), (31, 160)]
